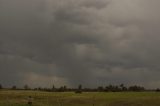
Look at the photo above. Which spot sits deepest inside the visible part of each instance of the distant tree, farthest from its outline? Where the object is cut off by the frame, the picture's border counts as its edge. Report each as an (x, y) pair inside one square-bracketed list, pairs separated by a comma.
[(80, 87), (39, 88), (46, 89), (26, 87), (157, 90), (122, 87), (53, 88), (106, 89), (100, 89), (109, 88), (136, 88), (14, 87), (112, 88), (35, 89), (61, 89), (79, 90), (1, 86), (65, 88)]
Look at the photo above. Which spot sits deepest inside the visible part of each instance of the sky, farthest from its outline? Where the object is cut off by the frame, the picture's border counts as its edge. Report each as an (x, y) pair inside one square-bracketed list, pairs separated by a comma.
[(72, 42)]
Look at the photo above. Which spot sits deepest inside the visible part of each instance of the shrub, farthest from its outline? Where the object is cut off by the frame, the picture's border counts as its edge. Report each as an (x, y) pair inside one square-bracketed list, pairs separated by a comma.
[(1, 86)]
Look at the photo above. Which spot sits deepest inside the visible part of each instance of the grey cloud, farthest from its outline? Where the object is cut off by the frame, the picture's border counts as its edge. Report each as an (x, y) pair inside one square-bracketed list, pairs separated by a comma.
[(96, 4), (89, 42)]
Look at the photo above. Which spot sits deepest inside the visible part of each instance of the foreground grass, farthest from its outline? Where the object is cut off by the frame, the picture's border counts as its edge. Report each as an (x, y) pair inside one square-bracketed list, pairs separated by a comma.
[(19, 98)]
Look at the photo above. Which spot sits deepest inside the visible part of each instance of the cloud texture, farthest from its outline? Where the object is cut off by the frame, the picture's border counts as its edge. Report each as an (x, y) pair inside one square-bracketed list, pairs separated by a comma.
[(93, 42)]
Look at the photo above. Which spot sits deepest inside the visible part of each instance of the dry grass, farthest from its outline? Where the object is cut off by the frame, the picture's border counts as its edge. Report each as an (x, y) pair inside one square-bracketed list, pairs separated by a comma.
[(19, 98)]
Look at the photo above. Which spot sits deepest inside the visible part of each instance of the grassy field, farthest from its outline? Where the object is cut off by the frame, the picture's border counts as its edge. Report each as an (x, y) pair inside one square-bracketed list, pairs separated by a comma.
[(19, 98)]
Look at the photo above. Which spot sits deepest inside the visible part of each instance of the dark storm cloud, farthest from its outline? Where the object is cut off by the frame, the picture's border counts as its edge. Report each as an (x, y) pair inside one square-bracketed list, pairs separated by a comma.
[(70, 42)]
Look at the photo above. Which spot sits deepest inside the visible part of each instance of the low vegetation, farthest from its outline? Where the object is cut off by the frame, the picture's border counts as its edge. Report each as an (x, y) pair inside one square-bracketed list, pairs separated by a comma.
[(19, 98), (110, 95)]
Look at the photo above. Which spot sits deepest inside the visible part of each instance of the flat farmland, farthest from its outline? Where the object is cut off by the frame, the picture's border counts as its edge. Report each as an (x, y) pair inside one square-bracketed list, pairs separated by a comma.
[(19, 98)]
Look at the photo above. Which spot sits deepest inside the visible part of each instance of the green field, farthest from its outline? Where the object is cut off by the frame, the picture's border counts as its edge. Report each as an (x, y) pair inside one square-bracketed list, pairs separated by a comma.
[(19, 98)]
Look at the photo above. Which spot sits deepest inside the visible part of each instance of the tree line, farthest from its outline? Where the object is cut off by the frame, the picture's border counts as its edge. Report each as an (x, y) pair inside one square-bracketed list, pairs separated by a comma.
[(80, 89)]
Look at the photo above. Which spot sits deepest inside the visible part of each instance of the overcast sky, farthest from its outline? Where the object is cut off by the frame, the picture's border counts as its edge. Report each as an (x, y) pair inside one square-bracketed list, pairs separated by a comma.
[(72, 42)]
